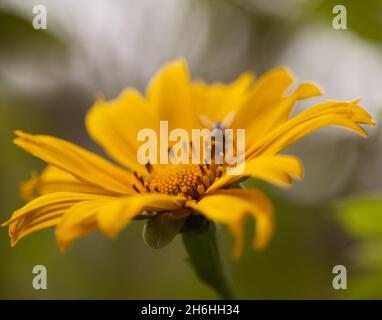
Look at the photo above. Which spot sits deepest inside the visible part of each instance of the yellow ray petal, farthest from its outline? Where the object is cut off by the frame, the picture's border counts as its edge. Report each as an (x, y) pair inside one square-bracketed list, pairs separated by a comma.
[(110, 216), (169, 93), (115, 216), (230, 207), (82, 164), (43, 212), (344, 114), (78, 221), (53, 180), (276, 169), (266, 93), (215, 101), (49, 202), (115, 124), (50, 220), (275, 115)]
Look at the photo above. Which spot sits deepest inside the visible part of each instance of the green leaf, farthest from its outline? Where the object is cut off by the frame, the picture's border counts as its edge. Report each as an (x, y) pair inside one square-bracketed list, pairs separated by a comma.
[(362, 216), (158, 232), (363, 17), (206, 259), (17, 32)]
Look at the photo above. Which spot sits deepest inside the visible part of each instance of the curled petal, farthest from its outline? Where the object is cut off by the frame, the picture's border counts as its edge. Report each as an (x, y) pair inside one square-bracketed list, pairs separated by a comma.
[(232, 206), (344, 114), (277, 169), (44, 212)]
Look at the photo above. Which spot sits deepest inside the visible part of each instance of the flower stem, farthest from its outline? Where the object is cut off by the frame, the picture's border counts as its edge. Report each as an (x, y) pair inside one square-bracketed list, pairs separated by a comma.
[(206, 259)]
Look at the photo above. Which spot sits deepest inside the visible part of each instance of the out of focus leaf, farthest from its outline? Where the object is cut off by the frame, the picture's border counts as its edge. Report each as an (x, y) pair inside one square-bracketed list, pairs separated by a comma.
[(363, 17), (17, 32), (362, 217)]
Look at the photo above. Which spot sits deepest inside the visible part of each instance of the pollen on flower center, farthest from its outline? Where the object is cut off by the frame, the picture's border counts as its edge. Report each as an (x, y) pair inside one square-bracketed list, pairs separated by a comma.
[(190, 180)]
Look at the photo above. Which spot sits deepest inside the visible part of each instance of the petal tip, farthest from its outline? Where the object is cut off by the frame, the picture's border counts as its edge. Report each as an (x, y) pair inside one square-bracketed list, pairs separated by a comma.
[(18, 132), (62, 246)]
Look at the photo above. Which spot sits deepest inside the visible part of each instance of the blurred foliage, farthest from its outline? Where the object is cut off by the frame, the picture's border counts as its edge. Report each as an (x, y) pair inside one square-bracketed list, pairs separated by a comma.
[(363, 17), (16, 33), (361, 218)]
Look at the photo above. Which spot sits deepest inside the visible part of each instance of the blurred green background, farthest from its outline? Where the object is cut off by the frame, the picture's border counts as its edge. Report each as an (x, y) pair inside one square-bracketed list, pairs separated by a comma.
[(49, 78)]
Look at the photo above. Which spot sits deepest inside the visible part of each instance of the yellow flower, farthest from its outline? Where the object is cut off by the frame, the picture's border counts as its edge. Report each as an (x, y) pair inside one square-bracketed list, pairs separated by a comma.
[(80, 192)]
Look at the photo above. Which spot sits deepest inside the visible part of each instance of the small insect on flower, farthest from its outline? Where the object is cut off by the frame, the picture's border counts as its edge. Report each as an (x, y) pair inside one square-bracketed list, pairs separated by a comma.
[(218, 146), (80, 192)]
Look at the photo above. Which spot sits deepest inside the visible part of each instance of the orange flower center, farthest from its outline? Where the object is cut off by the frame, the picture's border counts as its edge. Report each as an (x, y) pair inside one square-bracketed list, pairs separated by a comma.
[(190, 180)]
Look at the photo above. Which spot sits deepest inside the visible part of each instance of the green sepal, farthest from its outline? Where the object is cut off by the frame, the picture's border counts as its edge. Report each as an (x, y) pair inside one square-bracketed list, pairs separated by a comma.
[(159, 231)]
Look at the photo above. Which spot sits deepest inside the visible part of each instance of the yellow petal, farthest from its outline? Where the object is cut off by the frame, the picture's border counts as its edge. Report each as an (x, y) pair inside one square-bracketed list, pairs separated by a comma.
[(115, 216), (276, 169), (115, 124), (169, 93), (267, 106), (41, 223), (266, 93), (43, 212), (110, 215), (275, 115), (82, 164), (29, 189), (53, 180), (78, 221), (230, 207), (217, 100), (344, 114)]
